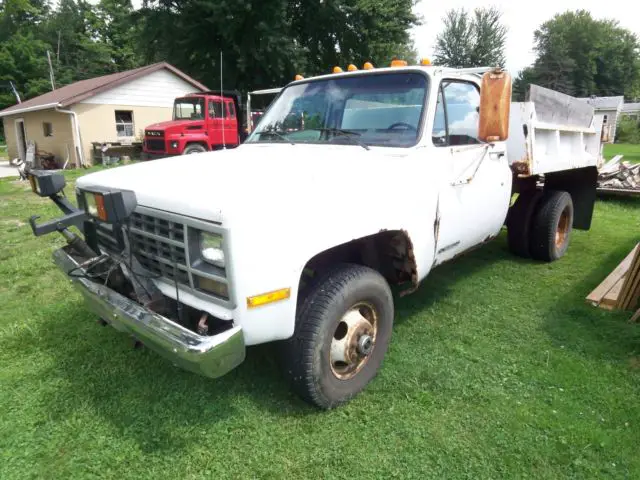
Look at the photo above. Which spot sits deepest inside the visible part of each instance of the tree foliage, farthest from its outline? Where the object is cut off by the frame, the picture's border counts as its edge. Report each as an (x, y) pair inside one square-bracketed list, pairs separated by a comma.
[(471, 39), (582, 56), (267, 43), (628, 130), (264, 44), (84, 40)]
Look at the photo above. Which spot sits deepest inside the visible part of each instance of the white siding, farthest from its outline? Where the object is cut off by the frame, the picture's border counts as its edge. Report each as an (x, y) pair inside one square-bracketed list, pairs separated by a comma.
[(157, 89)]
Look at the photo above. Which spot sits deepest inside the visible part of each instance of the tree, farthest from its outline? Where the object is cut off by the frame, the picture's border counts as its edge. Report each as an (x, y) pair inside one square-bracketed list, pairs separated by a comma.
[(579, 55), (22, 54), (267, 43), (471, 41)]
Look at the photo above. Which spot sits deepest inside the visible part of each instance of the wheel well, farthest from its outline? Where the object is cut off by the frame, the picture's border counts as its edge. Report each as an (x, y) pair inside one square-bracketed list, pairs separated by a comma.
[(580, 183), (203, 144), (390, 252)]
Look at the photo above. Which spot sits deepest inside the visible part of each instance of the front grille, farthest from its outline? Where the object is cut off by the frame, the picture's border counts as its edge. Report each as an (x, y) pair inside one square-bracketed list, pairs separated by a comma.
[(158, 245), (155, 144), (159, 242)]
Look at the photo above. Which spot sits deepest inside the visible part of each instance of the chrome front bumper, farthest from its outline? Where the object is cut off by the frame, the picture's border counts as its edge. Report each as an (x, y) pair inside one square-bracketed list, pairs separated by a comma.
[(211, 356)]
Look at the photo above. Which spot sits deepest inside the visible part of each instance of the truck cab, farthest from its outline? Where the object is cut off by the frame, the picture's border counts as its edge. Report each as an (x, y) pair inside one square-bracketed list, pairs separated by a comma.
[(200, 122)]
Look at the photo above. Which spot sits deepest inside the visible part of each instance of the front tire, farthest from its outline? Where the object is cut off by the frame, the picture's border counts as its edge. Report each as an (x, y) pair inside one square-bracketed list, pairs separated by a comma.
[(342, 332), (195, 148)]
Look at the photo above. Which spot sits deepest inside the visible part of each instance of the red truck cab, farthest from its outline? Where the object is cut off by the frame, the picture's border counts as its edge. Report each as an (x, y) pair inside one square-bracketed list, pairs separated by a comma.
[(201, 122)]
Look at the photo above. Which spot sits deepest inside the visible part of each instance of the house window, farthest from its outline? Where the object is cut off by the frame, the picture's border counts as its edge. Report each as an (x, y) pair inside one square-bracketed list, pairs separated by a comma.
[(604, 119), (47, 129), (124, 123)]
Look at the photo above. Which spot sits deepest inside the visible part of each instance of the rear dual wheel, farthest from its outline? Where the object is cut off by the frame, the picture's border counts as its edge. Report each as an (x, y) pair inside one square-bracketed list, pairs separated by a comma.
[(540, 224)]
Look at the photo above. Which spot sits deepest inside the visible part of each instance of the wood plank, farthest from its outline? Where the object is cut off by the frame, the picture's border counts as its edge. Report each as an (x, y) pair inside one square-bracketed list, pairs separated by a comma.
[(611, 298), (608, 283), (630, 278), (634, 296)]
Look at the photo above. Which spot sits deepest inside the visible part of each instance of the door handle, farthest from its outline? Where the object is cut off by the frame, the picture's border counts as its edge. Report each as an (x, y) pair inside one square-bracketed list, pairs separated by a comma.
[(496, 155)]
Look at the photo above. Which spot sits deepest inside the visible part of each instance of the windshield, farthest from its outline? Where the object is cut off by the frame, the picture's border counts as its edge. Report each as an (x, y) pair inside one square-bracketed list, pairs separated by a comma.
[(188, 109), (381, 110)]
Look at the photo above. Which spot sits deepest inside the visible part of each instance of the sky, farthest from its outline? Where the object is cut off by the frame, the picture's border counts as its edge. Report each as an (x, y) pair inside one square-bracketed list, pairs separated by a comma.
[(522, 17)]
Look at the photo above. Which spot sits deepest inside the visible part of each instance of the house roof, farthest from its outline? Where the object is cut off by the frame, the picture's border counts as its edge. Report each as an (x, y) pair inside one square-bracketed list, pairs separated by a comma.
[(78, 91), (604, 103), (631, 107)]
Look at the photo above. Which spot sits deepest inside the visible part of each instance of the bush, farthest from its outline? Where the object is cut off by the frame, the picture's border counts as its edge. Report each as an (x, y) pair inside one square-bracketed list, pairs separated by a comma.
[(628, 131)]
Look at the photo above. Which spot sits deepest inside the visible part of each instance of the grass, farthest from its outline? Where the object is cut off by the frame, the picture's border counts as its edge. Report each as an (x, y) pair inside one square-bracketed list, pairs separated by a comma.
[(497, 369), (3, 151), (631, 152)]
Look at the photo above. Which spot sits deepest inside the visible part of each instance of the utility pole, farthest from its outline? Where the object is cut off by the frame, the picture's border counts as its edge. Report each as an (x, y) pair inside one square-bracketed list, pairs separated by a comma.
[(51, 77)]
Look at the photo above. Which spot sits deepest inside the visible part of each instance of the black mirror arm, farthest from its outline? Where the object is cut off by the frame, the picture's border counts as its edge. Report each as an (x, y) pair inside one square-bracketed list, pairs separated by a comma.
[(73, 217)]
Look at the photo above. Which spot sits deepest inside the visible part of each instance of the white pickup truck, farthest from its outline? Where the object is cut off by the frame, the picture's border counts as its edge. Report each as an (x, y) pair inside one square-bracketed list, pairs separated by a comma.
[(350, 184)]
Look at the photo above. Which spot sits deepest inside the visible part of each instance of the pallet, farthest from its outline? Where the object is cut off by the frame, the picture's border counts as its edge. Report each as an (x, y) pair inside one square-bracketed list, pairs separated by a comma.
[(621, 288)]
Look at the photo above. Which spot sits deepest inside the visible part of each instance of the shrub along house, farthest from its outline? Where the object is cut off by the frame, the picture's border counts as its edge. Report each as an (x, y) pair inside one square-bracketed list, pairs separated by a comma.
[(111, 108)]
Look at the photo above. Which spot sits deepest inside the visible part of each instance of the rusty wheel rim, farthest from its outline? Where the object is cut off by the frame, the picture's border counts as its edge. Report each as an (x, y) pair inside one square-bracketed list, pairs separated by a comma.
[(562, 231), (353, 340)]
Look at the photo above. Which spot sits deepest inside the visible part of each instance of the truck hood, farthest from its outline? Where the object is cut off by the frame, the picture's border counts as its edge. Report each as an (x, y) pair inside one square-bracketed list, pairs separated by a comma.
[(170, 124), (258, 180)]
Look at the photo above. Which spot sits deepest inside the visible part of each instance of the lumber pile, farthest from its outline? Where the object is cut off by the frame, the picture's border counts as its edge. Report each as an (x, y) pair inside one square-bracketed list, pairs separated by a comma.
[(621, 288), (619, 176)]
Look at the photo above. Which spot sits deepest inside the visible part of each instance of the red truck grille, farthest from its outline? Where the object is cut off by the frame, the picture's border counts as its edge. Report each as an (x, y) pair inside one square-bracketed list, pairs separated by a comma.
[(155, 144)]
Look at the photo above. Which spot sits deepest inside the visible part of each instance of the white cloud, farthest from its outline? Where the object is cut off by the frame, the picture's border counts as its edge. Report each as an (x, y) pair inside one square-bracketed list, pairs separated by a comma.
[(522, 18)]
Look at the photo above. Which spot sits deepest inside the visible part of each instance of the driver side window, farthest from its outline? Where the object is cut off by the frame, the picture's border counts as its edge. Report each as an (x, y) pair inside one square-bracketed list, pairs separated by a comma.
[(457, 114), (215, 109)]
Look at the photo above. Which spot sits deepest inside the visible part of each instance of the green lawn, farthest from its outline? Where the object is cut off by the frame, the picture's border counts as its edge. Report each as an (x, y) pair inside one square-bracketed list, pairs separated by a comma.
[(3, 151), (497, 369), (631, 152)]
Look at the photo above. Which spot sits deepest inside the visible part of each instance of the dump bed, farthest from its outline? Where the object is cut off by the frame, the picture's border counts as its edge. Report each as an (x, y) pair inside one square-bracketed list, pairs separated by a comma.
[(552, 132)]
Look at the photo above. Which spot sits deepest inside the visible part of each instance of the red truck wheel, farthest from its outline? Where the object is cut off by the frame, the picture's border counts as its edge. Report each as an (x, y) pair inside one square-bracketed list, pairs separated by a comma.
[(195, 148)]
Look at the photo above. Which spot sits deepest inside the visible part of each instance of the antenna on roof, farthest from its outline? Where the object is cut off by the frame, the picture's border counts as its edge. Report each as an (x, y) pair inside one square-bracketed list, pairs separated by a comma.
[(51, 77), (222, 104)]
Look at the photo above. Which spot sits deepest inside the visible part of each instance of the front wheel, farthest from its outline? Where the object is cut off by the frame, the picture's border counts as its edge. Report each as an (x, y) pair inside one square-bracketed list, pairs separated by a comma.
[(342, 332), (195, 148)]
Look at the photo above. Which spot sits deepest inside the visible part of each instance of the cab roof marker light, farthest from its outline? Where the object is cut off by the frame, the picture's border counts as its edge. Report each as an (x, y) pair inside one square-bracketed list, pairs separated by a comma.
[(352, 67), (398, 63), (367, 66), (298, 77), (425, 61), (337, 69)]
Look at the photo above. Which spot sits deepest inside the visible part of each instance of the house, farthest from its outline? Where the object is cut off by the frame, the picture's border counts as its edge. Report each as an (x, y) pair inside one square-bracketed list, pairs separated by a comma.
[(608, 110), (631, 110), (111, 108)]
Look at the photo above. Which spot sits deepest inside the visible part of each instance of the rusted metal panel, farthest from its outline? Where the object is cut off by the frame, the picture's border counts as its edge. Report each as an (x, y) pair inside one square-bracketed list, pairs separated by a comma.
[(558, 108)]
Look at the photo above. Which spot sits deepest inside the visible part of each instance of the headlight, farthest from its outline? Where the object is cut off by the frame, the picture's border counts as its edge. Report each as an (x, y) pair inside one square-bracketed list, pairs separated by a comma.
[(211, 248), (108, 205)]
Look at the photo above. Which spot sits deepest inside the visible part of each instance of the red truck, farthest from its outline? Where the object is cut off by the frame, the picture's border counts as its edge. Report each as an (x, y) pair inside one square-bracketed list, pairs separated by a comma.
[(202, 121)]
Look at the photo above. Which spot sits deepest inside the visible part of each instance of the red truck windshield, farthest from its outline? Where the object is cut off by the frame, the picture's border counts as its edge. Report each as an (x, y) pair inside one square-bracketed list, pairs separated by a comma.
[(188, 109)]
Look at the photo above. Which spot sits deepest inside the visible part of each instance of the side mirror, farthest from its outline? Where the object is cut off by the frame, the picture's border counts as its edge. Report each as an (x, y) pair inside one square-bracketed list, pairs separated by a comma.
[(495, 103)]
